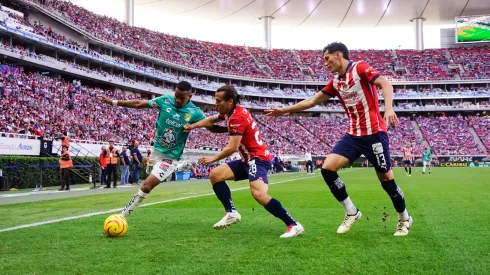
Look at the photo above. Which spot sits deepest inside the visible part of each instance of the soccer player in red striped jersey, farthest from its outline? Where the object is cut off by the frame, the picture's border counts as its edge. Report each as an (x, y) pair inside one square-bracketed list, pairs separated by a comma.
[(408, 158), (254, 165), (356, 87)]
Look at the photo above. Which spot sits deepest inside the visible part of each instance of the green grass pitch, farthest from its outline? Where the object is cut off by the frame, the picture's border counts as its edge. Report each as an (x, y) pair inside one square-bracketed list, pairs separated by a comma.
[(450, 233)]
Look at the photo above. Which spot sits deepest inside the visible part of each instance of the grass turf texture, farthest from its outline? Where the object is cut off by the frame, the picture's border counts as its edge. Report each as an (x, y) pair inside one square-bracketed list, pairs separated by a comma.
[(473, 34), (451, 232)]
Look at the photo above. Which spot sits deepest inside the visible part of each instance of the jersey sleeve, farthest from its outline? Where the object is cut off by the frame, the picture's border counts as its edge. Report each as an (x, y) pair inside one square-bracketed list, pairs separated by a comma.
[(236, 126), (158, 102), (367, 72), (198, 116), (329, 89)]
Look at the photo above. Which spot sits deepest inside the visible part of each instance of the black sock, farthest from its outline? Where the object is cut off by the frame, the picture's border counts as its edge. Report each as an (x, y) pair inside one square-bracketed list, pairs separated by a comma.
[(410, 170), (396, 195), (224, 195), (275, 208), (406, 169), (335, 184)]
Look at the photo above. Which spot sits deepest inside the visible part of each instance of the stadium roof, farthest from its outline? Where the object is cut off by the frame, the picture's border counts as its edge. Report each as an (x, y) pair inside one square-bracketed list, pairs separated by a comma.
[(323, 13)]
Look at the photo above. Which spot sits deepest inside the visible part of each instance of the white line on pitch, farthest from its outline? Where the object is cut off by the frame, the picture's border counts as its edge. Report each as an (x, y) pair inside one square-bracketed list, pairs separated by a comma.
[(143, 205)]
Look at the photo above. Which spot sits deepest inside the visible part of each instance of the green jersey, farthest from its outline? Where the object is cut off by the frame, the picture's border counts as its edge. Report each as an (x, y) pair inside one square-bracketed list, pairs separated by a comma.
[(427, 155), (170, 136)]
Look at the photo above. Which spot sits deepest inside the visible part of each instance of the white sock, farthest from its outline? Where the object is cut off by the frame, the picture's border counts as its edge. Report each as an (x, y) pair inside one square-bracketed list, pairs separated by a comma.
[(349, 207), (134, 202), (423, 169), (403, 216)]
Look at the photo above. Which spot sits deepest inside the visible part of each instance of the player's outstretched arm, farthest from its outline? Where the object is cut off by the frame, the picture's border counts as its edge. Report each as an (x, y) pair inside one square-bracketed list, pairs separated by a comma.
[(204, 123), (387, 90), (136, 104), (229, 149), (311, 102)]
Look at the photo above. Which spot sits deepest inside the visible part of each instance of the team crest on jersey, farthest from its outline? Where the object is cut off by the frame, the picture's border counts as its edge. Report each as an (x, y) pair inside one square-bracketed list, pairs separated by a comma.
[(187, 117), (168, 138)]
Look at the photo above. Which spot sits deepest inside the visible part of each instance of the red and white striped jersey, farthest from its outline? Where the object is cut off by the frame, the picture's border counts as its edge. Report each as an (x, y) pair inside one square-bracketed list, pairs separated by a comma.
[(241, 123), (408, 153), (359, 97)]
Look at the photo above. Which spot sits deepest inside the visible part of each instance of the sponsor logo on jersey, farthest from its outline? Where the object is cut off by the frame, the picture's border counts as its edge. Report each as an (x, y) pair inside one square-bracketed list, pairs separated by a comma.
[(176, 116), (173, 123), (168, 138)]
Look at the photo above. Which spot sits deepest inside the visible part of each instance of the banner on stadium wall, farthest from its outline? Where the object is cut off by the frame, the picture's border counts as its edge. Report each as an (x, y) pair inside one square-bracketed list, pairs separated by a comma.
[(479, 164), (19, 146), (90, 149), (453, 164)]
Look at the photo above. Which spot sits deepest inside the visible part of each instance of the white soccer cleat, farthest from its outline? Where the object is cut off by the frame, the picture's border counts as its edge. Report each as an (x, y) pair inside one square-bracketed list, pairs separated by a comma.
[(229, 219), (403, 227), (348, 222), (293, 231)]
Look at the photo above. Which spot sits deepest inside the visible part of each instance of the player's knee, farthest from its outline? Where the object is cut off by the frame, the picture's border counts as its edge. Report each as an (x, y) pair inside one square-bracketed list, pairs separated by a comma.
[(215, 177), (260, 196)]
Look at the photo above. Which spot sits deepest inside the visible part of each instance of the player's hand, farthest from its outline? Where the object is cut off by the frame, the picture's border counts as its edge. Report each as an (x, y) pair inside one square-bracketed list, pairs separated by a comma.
[(104, 99), (206, 160), (391, 118), (275, 112), (188, 127)]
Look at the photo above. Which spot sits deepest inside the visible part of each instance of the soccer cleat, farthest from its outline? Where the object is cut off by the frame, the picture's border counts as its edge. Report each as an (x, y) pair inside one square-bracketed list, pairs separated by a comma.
[(348, 222), (229, 219), (403, 227), (293, 231)]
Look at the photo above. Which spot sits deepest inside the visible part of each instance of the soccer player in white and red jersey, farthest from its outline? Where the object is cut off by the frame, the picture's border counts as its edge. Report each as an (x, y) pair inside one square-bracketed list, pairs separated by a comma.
[(255, 162), (356, 87), (408, 158)]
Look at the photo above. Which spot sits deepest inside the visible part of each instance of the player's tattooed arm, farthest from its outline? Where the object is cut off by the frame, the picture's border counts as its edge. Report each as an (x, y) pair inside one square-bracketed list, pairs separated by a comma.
[(136, 104), (311, 102)]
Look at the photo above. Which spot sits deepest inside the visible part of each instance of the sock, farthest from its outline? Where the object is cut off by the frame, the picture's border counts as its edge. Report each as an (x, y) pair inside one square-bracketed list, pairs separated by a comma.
[(349, 207), (335, 184), (423, 169), (134, 202), (224, 195), (410, 170), (275, 208), (396, 195), (429, 169), (406, 170), (403, 216)]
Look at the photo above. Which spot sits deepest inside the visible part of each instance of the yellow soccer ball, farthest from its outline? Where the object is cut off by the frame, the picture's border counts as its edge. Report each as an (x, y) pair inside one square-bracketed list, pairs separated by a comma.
[(115, 226)]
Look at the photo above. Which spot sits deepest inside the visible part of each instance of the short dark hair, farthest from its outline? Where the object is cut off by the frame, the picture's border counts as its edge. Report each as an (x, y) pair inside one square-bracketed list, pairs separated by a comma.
[(337, 47), (184, 86), (230, 93)]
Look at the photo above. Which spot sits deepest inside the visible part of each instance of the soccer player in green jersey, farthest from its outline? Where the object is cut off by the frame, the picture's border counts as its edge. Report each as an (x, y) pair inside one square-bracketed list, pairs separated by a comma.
[(175, 112), (427, 154)]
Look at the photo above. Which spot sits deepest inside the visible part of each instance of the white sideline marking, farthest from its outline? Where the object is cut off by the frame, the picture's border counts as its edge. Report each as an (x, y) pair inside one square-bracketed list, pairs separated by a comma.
[(143, 205)]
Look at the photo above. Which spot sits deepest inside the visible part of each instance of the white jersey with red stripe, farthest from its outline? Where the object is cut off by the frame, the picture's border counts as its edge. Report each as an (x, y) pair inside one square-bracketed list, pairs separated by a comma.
[(241, 123), (408, 153), (359, 97)]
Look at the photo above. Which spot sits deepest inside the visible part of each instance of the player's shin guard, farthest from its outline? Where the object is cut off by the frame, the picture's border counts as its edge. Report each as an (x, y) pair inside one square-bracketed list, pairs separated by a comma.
[(396, 195), (275, 208), (223, 193), (335, 184), (134, 202)]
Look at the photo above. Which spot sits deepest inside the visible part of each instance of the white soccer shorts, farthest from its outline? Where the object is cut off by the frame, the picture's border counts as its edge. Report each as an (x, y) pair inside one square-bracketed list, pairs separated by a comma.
[(426, 163), (164, 166)]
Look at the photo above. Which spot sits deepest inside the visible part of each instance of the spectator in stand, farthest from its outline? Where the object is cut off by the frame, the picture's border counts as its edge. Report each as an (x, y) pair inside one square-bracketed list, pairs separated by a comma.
[(137, 162), (124, 166), (111, 155)]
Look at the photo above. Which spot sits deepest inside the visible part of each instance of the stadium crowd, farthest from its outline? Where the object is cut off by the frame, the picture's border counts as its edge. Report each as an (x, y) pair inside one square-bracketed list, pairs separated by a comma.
[(439, 64)]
